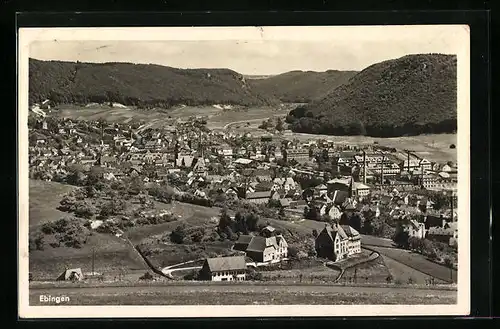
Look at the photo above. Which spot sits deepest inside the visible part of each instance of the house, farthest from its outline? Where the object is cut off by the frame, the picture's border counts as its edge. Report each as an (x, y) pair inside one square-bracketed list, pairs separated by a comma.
[(260, 197), (337, 242), (321, 189), (284, 203), (265, 249), (289, 184), (268, 231), (224, 269), (441, 234), (361, 189), (331, 210), (242, 243), (184, 161), (416, 229), (74, 274)]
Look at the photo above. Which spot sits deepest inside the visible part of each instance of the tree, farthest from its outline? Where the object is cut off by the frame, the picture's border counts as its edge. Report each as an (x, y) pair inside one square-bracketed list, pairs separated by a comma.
[(293, 252), (252, 220), (281, 213), (179, 234), (241, 225), (224, 219), (401, 237), (367, 227), (279, 125)]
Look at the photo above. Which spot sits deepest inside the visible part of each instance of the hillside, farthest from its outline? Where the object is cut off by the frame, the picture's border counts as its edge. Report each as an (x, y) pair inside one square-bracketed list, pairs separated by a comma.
[(300, 86), (138, 84), (411, 95)]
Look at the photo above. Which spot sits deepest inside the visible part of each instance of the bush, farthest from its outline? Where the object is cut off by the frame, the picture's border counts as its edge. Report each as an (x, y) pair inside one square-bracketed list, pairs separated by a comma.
[(253, 275), (146, 276), (179, 234), (293, 252)]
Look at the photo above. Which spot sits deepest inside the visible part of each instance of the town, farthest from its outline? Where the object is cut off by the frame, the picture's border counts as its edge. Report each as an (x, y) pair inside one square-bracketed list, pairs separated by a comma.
[(262, 185)]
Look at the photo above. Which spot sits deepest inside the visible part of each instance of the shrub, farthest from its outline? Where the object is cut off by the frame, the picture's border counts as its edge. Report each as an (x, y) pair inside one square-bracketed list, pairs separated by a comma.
[(179, 234), (146, 276)]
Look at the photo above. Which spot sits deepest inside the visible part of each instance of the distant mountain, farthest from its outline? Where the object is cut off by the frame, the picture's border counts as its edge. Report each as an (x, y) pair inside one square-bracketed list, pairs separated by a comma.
[(411, 95), (139, 84), (301, 86)]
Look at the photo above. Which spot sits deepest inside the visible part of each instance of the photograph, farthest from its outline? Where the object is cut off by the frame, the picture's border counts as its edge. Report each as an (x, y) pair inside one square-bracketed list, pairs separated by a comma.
[(243, 171)]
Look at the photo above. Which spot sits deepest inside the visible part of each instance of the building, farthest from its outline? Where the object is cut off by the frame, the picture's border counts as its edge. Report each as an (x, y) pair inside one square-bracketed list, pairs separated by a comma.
[(361, 189), (337, 242), (260, 197), (416, 229), (299, 155), (74, 274), (263, 249), (224, 269)]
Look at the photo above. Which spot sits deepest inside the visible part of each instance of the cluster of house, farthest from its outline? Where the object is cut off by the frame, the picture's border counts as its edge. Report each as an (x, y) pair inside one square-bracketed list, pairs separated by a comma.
[(335, 242)]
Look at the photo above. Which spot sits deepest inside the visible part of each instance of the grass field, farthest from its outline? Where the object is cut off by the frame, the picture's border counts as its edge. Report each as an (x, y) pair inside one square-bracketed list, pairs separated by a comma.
[(44, 198), (245, 294), (113, 256), (419, 263), (402, 273), (191, 215), (372, 271)]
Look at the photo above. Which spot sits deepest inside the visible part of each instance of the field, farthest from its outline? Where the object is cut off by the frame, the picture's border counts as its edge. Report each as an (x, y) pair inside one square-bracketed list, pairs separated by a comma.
[(191, 215), (113, 255), (246, 294), (418, 262), (403, 273), (44, 198), (434, 147), (156, 118)]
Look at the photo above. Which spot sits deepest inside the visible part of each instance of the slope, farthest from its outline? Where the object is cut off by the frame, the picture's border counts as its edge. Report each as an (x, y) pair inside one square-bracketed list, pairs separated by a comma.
[(138, 84), (300, 86), (411, 95)]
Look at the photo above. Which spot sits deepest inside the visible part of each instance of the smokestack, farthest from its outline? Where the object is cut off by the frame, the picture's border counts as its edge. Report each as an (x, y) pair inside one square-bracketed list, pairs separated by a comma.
[(364, 167), (382, 170)]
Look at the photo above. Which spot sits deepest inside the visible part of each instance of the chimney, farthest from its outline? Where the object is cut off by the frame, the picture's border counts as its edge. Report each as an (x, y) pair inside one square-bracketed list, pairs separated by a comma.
[(364, 167)]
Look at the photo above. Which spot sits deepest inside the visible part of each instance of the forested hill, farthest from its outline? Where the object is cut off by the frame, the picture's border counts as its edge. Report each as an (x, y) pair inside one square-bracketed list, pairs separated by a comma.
[(411, 95), (301, 86), (139, 84)]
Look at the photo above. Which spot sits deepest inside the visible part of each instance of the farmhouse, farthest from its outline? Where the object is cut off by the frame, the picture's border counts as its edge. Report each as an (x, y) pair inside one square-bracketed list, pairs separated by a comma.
[(224, 269), (263, 249), (337, 242), (258, 197)]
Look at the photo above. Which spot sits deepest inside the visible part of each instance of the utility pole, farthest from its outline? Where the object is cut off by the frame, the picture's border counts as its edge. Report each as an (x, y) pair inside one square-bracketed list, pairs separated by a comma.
[(93, 260)]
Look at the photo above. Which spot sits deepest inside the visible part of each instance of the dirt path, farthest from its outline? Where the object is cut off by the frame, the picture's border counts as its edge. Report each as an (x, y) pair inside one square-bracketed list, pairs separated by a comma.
[(244, 121)]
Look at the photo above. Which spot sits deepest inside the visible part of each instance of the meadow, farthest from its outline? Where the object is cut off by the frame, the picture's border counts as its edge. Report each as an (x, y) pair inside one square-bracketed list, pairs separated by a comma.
[(246, 293)]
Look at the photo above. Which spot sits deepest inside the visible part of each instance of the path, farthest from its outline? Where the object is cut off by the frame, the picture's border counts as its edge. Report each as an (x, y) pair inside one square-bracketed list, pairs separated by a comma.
[(244, 121)]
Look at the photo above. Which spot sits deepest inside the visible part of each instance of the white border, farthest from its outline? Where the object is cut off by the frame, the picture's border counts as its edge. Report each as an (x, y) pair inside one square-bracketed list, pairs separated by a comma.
[(458, 38)]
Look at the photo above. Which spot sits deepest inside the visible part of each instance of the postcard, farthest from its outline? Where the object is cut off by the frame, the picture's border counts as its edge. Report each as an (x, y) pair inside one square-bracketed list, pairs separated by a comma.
[(243, 171)]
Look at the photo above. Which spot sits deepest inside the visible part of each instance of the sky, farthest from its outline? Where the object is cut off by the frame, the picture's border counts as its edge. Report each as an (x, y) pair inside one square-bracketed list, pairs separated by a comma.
[(263, 54)]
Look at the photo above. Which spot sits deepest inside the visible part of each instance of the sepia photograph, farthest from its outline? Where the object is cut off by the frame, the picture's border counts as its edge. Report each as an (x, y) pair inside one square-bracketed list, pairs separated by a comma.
[(244, 171)]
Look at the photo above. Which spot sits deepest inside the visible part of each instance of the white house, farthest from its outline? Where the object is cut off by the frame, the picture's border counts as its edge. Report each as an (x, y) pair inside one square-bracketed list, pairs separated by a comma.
[(416, 229)]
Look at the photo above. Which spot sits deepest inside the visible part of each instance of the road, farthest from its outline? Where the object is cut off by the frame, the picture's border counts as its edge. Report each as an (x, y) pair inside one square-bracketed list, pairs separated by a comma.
[(244, 121)]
